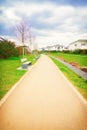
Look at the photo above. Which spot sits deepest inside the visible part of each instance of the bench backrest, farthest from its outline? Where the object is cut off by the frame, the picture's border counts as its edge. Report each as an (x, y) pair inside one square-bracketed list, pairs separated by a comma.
[(23, 59)]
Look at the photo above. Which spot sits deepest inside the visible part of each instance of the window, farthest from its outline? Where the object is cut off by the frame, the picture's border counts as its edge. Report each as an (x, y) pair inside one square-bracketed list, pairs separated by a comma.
[(83, 44), (75, 44)]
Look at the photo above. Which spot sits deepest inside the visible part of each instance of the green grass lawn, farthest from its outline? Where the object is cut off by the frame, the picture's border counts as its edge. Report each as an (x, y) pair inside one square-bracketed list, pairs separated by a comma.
[(80, 59), (76, 80), (9, 74)]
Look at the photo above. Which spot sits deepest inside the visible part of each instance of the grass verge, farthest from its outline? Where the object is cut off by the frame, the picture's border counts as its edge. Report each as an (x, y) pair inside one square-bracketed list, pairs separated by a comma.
[(80, 59), (76, 80), (9, 74)]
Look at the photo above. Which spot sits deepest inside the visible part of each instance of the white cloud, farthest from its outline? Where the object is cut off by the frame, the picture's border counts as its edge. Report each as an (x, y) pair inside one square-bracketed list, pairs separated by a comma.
[(10, 14), (65, 24)]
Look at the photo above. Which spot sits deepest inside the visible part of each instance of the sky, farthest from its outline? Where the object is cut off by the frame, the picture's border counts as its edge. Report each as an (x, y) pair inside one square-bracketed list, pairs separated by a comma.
[(52, 21)]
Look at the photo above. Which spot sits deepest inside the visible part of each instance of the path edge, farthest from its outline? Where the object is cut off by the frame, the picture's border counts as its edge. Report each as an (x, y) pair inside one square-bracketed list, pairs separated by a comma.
[(73, 87), (14, 86)]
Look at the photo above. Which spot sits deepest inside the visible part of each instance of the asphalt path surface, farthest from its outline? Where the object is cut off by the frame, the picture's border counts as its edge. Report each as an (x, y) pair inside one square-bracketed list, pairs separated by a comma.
[(43, 100)]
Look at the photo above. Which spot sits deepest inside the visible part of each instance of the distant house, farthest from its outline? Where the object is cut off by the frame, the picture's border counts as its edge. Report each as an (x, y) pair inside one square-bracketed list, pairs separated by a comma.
[(59, 47), (54, 48), (79, 44)]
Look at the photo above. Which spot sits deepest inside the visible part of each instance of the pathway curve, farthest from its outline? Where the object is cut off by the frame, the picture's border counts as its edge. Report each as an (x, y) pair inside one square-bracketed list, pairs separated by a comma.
[(44, 100)]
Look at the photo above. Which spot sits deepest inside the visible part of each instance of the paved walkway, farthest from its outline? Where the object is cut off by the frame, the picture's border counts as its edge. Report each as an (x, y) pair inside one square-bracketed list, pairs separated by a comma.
[(44, 100), (76, 70)]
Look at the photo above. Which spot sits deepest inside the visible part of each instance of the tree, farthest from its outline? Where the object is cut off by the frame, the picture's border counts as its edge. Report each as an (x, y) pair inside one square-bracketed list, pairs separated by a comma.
[(24, 34)]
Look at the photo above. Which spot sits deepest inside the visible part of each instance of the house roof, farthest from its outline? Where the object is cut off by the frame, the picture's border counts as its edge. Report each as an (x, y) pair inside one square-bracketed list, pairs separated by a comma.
[(2, 39), (81, 40)]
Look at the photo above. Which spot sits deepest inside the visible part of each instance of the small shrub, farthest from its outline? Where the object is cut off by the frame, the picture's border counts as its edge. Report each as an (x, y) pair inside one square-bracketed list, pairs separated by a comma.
[(7, 49)]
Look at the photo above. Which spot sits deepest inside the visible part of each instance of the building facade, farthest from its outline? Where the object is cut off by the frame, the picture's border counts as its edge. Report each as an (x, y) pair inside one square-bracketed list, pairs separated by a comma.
[(79, 44)]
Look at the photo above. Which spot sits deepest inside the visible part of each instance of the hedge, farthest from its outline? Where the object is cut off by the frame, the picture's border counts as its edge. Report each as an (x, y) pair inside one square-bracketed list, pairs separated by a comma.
[(7, 49)]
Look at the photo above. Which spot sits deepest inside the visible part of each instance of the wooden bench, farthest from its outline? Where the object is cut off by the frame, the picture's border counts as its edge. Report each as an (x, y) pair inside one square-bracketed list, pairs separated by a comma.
[(25, 65)]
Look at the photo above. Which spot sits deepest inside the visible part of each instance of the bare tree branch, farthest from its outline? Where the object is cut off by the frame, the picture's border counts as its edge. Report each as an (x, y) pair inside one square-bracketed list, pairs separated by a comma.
[(24, 34)]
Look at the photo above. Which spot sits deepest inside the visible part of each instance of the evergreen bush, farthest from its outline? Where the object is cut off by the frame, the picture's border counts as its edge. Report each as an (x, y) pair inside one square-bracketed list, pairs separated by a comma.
[(7, 49)]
